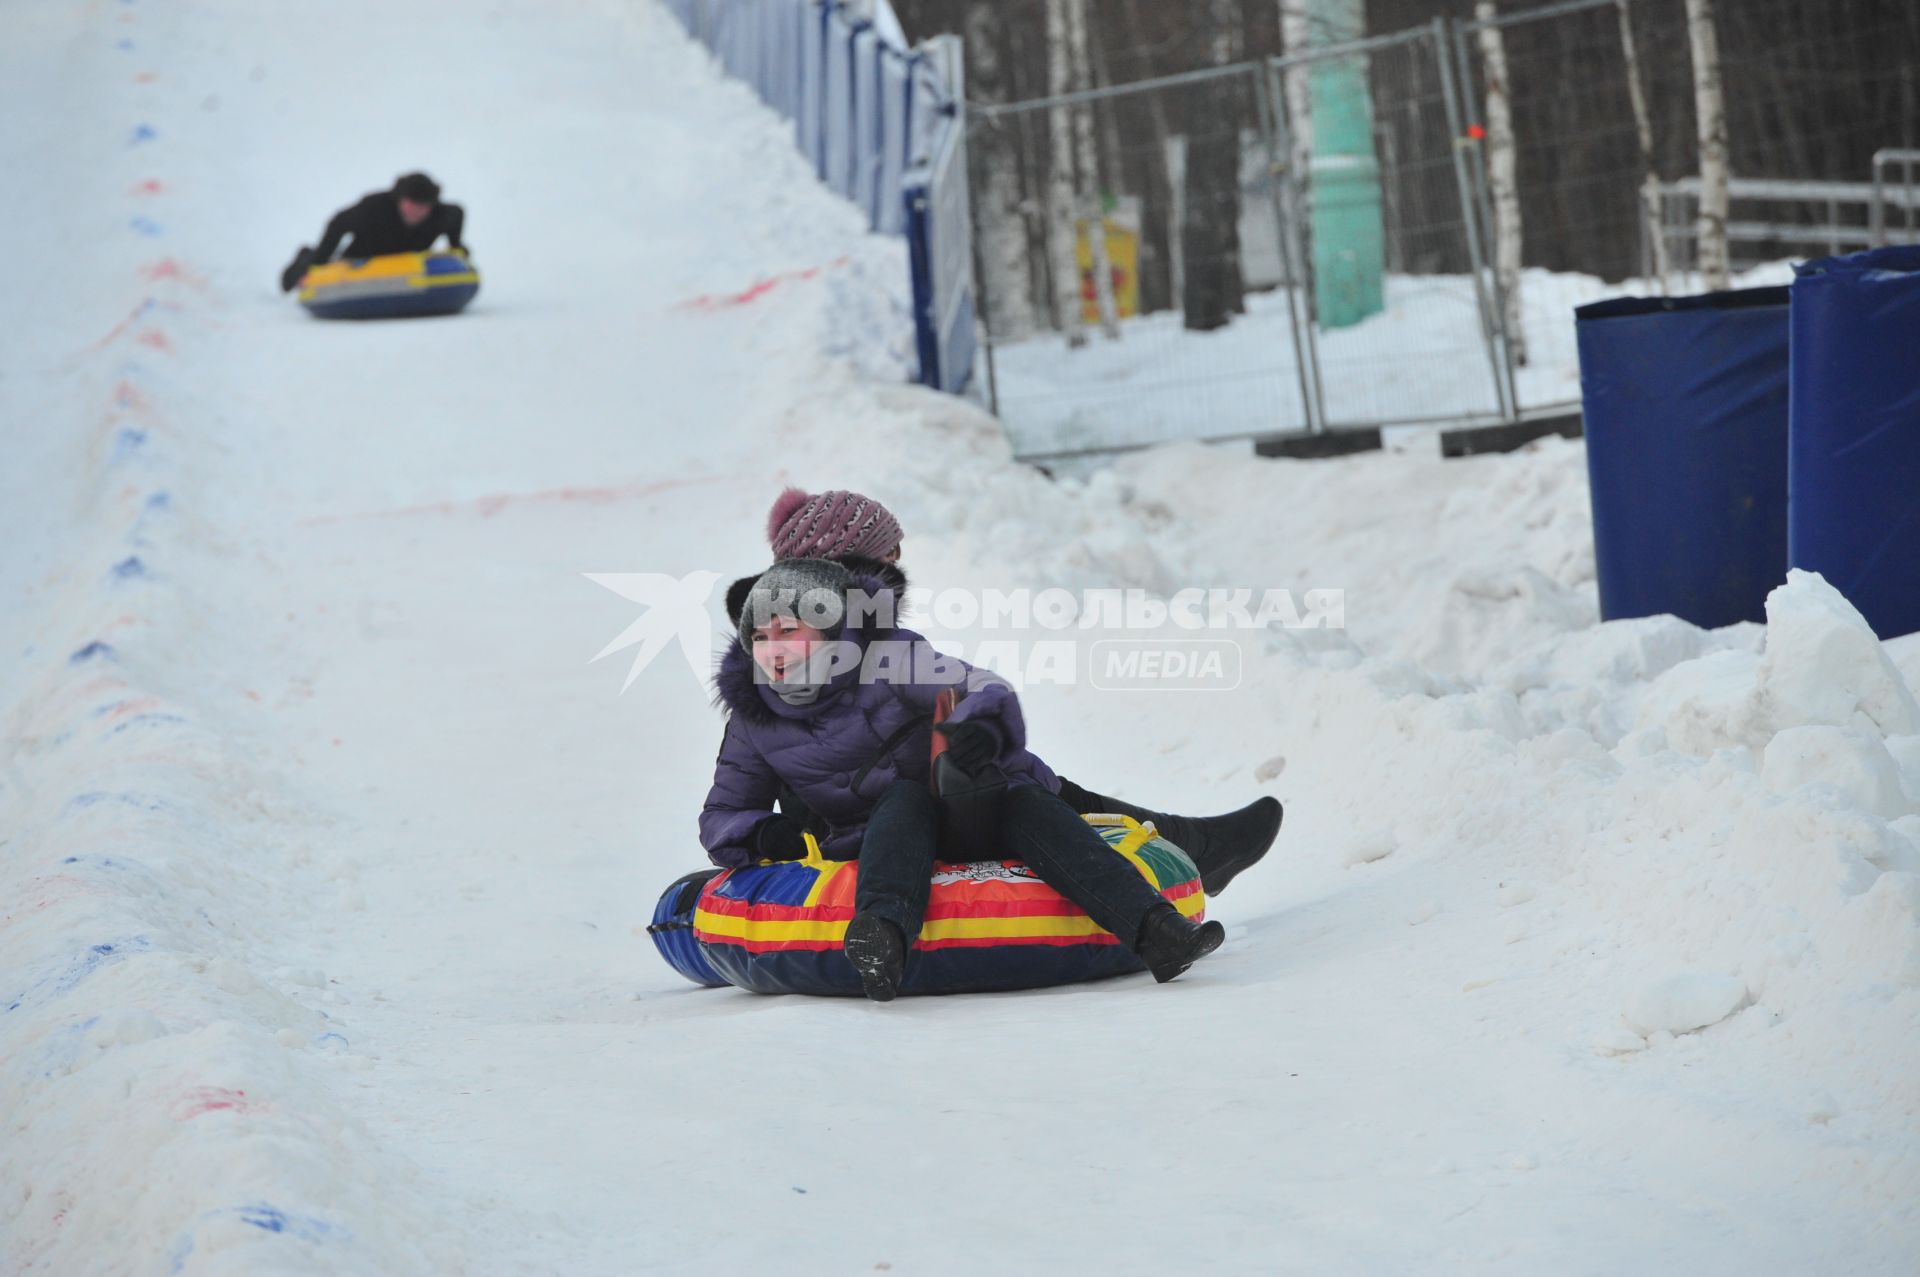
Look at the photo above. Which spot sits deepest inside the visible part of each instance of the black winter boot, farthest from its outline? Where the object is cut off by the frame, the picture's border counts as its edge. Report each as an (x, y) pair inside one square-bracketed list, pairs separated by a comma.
[(1171, 944), (1221, 847), (878, 953)]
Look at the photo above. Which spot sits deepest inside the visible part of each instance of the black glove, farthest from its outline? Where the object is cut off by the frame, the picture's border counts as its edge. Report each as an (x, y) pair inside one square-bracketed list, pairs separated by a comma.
[(971, 745), (296, 270), (778, 838)]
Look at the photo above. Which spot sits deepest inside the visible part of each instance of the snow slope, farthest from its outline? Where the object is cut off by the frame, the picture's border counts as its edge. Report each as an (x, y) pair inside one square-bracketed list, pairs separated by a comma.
[(325, 851)]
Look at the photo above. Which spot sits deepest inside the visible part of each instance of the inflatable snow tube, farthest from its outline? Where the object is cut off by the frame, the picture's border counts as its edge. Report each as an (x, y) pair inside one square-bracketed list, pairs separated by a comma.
[(672, 929), (990, 926), (397, 286), (1853, 502)]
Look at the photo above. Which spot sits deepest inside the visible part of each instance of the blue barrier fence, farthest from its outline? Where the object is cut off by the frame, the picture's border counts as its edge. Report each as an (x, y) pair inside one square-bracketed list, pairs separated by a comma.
[(882, 126)]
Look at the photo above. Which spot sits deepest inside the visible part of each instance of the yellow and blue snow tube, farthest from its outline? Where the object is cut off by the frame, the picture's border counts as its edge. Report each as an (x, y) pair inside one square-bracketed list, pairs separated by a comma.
[(397, 286), (779, 928)]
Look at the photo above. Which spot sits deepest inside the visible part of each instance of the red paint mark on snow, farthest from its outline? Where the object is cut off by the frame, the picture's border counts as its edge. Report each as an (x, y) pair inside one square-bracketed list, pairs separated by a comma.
[(63, 886), (758, 289), (493, 503), (113, 334), (152, 186), (147, 77), (130, 398), (216, 1099), (155, 339), (168, 268)]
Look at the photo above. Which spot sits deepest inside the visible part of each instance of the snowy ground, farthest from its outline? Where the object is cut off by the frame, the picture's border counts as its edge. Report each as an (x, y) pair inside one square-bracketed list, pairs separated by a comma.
[(325, 853)]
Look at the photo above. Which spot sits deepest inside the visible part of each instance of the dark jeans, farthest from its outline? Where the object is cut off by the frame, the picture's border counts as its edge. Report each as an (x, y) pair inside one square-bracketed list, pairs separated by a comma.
[(903, 833)]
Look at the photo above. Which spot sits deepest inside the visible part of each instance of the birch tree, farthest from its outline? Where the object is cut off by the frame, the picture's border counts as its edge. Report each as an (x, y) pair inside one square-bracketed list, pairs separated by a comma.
[(1710, 106), (1002, 233), (1501, 184), (1294, 38), (1092, 210), (1656, 233), (1061, 182)]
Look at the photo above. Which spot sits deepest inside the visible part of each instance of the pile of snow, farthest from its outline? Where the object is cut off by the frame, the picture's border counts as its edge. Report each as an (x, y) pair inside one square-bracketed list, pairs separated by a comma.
[(326, 851)]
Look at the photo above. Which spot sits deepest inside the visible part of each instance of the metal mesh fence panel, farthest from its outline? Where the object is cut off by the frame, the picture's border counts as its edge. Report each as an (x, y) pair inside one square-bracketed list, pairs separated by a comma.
[(1190, 330), (1403, 328)]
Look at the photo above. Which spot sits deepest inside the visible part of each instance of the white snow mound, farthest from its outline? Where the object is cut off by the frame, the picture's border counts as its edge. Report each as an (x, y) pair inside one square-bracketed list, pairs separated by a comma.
[(1684, 1002)]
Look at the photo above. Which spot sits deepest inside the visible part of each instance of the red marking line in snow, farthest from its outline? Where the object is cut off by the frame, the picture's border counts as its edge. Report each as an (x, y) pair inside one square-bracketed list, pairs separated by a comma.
[(65, 888), (214, 1099), (133, 317), (152, 186), (168, 268), (760, 288), (493, 503)]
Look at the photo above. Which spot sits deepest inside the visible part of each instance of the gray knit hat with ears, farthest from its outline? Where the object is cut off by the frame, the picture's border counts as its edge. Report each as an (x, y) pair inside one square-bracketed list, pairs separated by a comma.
[(813, 591)]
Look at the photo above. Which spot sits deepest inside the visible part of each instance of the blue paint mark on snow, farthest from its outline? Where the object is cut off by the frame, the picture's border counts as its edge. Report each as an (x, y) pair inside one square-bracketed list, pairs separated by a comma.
[(143, 132), (148, 227), (272, 1219), (146, 718), (91, 650), (129, 568), (159, 501), (128, 442), (105, 862), (66, 1047), (68, 976), (96, 796)]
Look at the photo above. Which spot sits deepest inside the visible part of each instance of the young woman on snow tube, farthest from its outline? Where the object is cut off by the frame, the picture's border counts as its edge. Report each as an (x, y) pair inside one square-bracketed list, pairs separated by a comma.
[(829, 699), (862, 535)]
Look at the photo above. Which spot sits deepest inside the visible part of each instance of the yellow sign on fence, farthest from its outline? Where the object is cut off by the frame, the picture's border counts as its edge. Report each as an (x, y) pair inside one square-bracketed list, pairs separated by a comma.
[(1123, 258)]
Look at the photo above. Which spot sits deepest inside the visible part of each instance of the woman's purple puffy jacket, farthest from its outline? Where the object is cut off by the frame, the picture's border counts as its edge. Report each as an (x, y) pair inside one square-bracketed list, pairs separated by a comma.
[(818, 750)]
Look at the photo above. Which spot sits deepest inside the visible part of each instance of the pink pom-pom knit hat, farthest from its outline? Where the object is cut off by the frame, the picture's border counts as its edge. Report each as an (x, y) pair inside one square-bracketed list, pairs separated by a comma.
[(830, 525)]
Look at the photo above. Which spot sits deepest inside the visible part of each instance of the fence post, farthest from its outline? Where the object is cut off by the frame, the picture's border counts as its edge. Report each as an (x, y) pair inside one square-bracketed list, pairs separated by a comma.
[(1491, 320), (1505, 392), (1305, 356), (982, 300)]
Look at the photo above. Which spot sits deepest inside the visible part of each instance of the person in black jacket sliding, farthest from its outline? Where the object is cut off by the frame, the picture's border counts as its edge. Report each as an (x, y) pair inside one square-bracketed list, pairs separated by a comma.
[(406, 219)]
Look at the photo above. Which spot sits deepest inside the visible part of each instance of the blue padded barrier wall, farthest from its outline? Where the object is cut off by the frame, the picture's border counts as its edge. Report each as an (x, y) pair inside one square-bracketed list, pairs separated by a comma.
[(866, 122), (1854, 470), (813, 85), (890, 214), (879, 124), (837, 115), (1685, 402)]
